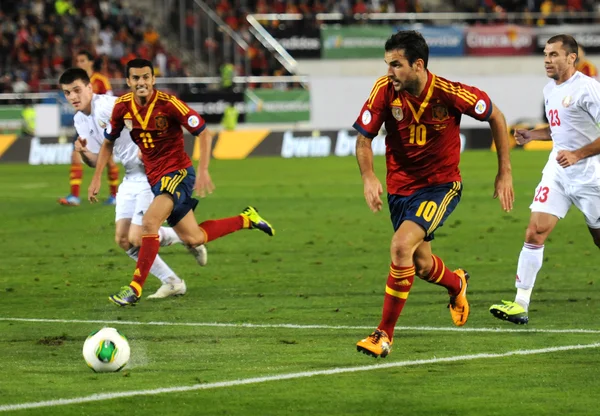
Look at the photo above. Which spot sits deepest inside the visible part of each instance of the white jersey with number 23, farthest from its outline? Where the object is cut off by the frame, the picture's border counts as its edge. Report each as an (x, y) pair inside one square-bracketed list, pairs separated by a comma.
[(573, 112)]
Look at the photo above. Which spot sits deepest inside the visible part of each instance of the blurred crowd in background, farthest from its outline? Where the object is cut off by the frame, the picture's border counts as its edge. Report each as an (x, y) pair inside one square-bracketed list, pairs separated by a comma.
[(39, 38)]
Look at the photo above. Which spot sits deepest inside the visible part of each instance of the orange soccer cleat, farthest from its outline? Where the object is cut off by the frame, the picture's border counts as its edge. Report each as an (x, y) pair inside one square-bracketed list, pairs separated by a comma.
[(459, 306), (378, 344)]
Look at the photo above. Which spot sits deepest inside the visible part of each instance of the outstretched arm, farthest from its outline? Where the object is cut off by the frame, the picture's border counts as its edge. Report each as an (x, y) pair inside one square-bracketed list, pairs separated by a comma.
[(503, 189), (372, 186), (105, 154), (204, 183)]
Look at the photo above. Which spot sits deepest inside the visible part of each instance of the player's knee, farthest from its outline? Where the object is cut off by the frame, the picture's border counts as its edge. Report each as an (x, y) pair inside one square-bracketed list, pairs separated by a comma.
[(596, 240), (536, 233), (150, 226), (401, 248), (123, 242)]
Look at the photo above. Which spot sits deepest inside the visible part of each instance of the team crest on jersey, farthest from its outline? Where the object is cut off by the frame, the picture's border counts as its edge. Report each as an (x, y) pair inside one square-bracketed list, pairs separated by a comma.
[(398, 113), (161, 122), (439, 112), (102, 124), (567, 101), (128, 124)]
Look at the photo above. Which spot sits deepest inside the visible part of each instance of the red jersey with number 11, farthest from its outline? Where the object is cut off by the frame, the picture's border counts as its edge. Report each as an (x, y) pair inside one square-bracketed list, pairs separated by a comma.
[(156, 129), (423, 133)]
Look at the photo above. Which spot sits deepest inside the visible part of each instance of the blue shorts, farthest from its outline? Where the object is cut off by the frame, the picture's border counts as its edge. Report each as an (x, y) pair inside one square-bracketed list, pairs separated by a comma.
[(429, 207), (180, 185)]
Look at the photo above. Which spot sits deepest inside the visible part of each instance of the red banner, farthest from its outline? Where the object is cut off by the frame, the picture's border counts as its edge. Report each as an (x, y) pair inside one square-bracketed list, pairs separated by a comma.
[(504, 40)]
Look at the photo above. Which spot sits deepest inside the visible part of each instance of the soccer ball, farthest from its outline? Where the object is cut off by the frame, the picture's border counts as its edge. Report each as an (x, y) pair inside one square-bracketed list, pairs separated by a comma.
[(106, 350)]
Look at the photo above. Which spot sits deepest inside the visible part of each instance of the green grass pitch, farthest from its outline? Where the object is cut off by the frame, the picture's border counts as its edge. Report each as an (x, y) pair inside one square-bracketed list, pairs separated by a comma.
[(312, 291)]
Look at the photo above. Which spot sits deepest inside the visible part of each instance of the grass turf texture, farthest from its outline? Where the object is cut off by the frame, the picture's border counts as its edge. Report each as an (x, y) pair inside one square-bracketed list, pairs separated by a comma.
[(326, 265)]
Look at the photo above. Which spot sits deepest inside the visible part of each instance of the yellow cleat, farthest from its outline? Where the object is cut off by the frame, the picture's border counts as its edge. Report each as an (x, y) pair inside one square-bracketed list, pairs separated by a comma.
[(258, 222), (511, 312), (459, 306), (378, 344)]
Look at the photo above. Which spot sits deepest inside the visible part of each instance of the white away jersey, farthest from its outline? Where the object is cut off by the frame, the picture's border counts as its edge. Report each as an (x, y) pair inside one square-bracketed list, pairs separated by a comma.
[(573, 111), (92, 128)]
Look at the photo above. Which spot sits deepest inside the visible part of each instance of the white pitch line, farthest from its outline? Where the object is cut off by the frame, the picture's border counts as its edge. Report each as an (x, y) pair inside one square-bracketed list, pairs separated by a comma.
[(296, 326), (289, 376)]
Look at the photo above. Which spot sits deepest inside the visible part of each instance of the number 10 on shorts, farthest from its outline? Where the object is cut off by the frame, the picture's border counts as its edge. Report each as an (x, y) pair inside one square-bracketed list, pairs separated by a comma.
[(426, 210), (541, 194)]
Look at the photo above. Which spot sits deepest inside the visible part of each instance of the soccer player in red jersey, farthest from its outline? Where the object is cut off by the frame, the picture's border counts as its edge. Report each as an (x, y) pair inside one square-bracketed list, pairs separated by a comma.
[(155, 120), (584, 65), (100, 85), (421, 113)]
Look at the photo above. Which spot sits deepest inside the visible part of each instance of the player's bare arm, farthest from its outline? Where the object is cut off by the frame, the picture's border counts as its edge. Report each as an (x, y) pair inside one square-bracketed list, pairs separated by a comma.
[(523, 136), (566, 158), (88, 157), (503, 188), (104, 156), (204, 182), (372, 185)]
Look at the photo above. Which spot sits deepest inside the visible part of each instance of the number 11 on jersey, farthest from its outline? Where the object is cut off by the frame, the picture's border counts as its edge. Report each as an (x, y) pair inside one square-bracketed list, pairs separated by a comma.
[(146, 139)]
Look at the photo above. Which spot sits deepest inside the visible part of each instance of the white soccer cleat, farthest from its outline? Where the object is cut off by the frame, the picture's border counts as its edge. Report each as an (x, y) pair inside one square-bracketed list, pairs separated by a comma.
[(199, 253), (169, 289)]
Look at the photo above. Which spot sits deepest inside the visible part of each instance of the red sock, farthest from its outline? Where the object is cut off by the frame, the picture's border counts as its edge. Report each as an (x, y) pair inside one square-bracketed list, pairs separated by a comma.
[(113, 178), (75, 176), (214, 229), (442, 276), (146, 256), (399, 282)]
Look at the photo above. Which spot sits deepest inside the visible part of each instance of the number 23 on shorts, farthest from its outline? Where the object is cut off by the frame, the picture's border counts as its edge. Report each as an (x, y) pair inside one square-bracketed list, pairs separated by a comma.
[(541, 194)]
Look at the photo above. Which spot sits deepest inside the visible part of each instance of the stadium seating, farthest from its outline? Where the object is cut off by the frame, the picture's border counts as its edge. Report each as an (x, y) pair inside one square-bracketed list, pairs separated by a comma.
[(39, 38)]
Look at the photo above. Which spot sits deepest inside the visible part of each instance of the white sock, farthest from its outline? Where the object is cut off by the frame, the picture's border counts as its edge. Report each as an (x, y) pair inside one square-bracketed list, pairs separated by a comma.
[(159, 268), (530, 263), (167, 236)]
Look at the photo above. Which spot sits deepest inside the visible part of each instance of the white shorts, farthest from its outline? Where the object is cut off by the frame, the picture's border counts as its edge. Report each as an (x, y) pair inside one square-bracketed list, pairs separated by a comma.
[(555, 197), (133, 199)]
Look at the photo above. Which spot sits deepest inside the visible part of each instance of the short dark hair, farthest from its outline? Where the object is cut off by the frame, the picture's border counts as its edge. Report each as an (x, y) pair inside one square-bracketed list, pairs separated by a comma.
[(89, 55), (569, 44), (73, 74), (139, 63), (414, 45)]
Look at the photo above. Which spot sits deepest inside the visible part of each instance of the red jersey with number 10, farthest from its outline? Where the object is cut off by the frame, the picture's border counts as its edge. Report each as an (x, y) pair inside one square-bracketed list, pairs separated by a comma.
[(423, 133), (156, 129)]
